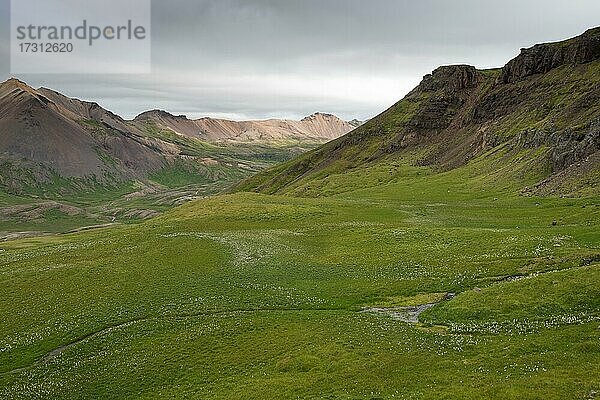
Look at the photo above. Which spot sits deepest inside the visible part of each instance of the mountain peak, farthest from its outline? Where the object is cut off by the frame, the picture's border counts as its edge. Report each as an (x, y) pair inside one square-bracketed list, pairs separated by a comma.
[(9, 81), (15, 91), (14, 83), (319, 115), (157, 114)]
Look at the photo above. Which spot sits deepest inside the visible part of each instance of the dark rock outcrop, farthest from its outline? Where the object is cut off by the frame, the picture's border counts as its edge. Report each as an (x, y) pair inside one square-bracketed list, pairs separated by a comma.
[(571, 148), (450, 78), (542, 58), (448, 88), (568, 147)]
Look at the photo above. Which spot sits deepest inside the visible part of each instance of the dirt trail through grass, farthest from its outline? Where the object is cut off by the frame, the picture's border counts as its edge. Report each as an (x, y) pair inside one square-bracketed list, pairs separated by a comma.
[(48, 357)]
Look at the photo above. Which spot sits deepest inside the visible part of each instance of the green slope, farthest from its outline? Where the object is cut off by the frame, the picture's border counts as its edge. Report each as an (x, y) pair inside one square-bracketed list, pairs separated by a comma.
[(252, 296), (459, 115)]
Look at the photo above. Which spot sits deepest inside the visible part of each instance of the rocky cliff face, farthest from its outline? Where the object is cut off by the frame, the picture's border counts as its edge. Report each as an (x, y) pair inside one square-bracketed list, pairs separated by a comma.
[(444, 92), (454, 100), (543, 58), (451, 78)]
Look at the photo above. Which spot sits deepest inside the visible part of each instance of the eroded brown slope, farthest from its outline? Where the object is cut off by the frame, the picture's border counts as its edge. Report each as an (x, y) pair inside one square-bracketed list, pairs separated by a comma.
[(48, 134), (32, 128)]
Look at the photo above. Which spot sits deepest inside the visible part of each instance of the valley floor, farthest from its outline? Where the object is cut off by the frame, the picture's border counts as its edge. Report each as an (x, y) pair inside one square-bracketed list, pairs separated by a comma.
[(248, 296)]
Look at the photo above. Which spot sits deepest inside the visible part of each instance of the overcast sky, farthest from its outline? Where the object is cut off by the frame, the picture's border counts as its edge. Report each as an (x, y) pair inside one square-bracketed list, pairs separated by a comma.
[(253, 59)]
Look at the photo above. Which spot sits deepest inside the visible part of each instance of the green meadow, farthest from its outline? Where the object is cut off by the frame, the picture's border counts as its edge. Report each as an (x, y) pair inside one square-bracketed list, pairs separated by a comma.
[(252, 296)]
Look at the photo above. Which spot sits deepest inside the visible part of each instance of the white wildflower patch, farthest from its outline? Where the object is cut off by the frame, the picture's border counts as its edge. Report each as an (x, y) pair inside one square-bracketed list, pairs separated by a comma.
[(250, 246), (24, 261), (524, 325)]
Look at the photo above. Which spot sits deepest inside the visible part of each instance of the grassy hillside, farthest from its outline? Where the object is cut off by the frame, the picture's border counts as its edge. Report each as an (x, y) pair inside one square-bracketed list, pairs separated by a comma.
[(459, 114), (252, 296)]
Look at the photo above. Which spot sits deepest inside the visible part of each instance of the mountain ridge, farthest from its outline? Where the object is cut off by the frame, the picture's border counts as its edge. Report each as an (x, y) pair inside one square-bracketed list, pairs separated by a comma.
[(458, 113), (315, 127), (544, 57)]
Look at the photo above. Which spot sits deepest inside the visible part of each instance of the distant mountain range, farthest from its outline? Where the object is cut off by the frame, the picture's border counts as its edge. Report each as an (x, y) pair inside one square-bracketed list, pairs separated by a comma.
[(48, 140), (318, 127), (535, 123)]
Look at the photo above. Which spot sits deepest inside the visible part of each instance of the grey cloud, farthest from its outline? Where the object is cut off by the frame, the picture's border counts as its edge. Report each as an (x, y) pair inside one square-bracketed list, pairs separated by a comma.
[(288, 58)]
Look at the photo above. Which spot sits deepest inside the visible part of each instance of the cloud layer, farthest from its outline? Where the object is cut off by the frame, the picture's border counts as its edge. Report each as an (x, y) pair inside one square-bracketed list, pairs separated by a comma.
[(247, 59)]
